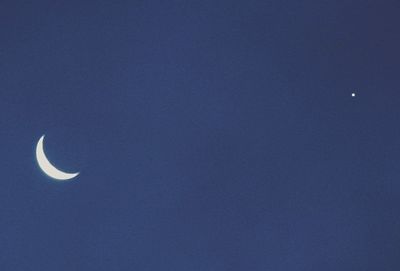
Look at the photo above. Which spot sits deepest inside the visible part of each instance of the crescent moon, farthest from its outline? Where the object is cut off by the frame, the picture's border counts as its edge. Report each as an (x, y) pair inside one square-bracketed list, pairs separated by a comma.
[(47, 167)]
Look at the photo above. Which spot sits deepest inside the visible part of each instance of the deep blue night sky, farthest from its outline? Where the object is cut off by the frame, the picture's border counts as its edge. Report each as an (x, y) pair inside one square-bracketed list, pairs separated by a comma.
[(210, 135)]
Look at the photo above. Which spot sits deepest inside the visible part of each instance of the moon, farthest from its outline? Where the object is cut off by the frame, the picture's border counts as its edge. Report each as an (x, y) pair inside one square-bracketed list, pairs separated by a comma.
[(47, 167)]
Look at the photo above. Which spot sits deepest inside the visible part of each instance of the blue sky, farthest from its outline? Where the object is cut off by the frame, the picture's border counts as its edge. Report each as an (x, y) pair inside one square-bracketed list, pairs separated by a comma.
[(210, 135)]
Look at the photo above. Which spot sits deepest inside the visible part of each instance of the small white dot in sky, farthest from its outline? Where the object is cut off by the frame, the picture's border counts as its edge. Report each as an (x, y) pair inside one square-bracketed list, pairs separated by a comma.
[(353, 94)]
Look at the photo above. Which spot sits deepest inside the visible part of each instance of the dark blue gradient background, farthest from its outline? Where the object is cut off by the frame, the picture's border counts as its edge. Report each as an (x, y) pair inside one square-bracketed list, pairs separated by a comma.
[(210, 135)]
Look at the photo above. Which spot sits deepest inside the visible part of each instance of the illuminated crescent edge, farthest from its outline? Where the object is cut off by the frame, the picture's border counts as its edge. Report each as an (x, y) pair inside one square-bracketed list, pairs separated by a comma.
[(47, 167)]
